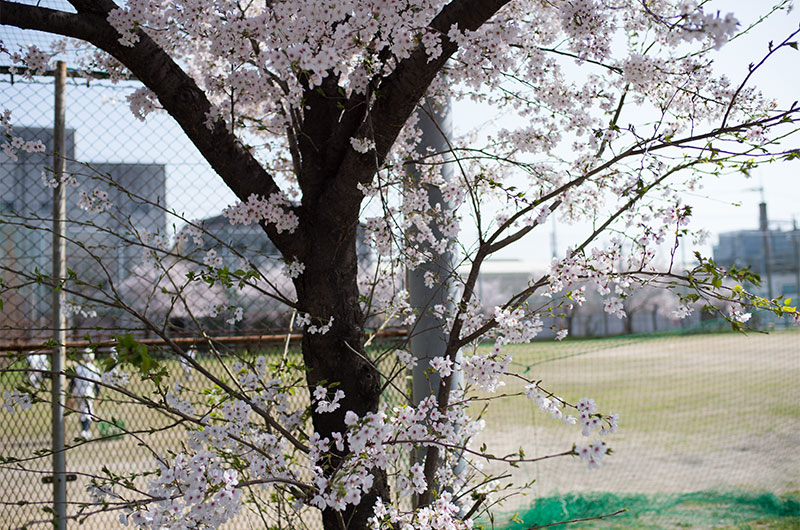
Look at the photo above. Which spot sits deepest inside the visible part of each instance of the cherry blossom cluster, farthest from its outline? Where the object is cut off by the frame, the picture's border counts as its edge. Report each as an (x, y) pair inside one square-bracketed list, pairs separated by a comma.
[(212, 259), (34, 58), (442, 514), (14, 144), (589, 26), (94, 202), (376, 439), (115, 378), (362, 145), (599, 267), (153, 248), (142, 102), (738, 313), (548, 403), (73, 308), (406, 359), (305, 320), (13, 399), (52, 183), (196, 490), (379, 235), (614, 306), (383, 298), (697, 24), (683, 311), (293, 269), (485, 370), (421, 222), (5, 120), (238, 315), (18, 144), (593, 453), (443, 365), (343, 38), (274, 210), (320, 395), (588, 418), (514, 328), (472, 318)]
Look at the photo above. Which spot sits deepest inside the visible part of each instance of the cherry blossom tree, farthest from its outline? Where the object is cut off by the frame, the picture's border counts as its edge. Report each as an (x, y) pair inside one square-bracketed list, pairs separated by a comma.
[(308, 112)]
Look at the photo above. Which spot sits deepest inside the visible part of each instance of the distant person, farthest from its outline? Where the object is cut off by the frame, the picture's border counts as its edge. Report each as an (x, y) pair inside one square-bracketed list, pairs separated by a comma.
[(191, 353), (38, 363), (84, 389)]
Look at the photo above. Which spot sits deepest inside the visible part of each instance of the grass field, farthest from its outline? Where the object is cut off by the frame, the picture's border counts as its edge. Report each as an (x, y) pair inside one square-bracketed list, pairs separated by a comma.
[(718, 412), (22, 434)]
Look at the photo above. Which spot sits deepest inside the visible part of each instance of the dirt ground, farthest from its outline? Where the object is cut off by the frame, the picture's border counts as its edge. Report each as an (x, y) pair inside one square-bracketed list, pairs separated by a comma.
[(697, 413)]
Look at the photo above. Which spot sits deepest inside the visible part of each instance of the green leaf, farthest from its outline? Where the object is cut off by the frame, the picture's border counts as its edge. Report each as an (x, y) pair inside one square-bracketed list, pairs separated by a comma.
[(131, 352)]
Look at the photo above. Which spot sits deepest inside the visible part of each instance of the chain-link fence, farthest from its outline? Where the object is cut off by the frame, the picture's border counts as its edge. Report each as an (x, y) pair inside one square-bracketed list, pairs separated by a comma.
[(707, 437), (707, 411), (160, 195), (132, 190)]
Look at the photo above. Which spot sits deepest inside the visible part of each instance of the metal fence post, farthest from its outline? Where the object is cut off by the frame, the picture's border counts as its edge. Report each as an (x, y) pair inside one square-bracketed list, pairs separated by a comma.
[(59, 320)]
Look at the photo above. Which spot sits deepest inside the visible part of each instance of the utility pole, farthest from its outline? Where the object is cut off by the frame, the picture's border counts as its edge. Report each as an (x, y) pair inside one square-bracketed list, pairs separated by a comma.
[(763, 225), (59, 274), (427, 337)]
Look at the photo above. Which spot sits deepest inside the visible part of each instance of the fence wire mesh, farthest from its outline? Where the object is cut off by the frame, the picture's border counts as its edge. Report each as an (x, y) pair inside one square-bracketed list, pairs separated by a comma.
[(156, 193), (708, 429), (704, 411)]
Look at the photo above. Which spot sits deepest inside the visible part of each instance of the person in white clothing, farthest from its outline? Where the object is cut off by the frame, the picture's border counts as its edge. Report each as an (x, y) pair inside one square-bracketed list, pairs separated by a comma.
[(84, 388), (38, 364)]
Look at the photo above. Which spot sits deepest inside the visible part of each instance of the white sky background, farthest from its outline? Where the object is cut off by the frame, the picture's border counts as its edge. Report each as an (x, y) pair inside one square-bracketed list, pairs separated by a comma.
[(725, 204), (730, 203)]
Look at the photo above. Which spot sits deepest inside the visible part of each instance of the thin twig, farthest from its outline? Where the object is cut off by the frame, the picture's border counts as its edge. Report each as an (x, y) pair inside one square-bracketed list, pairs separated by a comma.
[(579, 520)]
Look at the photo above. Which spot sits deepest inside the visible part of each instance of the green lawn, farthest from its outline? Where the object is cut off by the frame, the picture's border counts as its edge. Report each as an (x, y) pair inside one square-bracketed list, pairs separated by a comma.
[(714, 413)]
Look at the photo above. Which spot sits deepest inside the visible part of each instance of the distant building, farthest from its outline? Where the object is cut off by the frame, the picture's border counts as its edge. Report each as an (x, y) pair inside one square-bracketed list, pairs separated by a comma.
[(233, 243), (249, 240), (772, 254), (26, 205)]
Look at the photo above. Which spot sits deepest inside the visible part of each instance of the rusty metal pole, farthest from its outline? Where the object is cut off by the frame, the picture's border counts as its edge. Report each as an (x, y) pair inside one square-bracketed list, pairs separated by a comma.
[(59, 273)]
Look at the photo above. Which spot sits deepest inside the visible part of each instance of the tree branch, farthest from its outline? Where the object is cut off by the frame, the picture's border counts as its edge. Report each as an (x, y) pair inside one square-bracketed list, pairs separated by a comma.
[(399, 93), (177, 92)]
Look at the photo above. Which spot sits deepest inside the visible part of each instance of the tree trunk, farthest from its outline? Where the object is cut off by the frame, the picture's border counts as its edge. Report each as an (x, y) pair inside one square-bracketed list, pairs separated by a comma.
[(328, 287)]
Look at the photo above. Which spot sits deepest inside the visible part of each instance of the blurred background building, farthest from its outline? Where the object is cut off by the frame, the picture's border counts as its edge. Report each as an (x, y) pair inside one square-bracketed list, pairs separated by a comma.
[(99, 249), (770, 252)]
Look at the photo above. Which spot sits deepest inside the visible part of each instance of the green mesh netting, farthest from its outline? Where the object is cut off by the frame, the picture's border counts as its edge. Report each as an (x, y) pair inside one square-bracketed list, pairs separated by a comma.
[(704, 509)]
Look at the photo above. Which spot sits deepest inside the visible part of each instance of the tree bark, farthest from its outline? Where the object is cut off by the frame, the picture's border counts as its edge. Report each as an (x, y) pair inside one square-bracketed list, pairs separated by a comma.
[(337, 359)]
